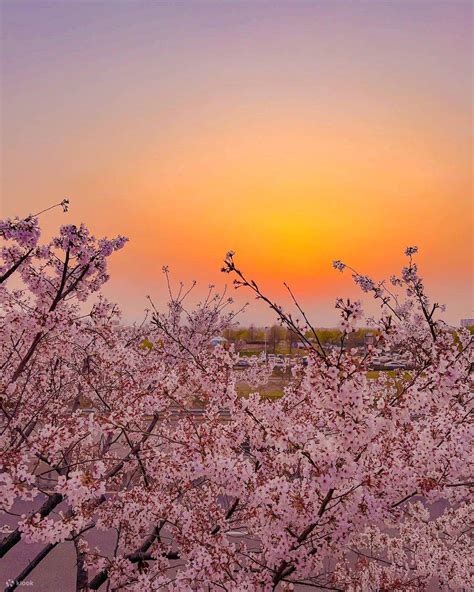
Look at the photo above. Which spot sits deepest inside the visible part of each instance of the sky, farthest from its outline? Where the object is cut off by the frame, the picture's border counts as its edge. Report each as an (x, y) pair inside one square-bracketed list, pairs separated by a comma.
[(293, 133)]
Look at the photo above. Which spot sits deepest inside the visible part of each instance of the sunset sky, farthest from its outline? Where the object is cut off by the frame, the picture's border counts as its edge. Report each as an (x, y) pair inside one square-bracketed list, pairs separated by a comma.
[(293, 133)]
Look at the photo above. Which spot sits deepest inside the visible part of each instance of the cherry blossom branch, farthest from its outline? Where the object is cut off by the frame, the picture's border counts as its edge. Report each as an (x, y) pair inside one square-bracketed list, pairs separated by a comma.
[(15, 266), (285, 569), (64, 204), (286, 319), (13, 538), (82, 578), (141, 554), (55, 499)]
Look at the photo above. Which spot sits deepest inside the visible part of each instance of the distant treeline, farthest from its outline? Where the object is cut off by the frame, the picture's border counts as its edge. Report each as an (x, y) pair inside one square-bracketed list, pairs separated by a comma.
[(277, 335)]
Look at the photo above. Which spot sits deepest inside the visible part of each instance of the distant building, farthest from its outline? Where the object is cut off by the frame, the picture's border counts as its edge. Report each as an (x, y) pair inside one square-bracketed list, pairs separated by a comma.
[(467, 322), (369, 339), (215, 341)]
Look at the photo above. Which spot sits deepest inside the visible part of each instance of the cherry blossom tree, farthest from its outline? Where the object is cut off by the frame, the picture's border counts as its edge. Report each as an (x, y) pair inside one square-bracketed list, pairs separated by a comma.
[(348, 482)]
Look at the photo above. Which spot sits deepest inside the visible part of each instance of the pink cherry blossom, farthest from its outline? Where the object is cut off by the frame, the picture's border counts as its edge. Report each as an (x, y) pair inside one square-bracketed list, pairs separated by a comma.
[(347, 482)]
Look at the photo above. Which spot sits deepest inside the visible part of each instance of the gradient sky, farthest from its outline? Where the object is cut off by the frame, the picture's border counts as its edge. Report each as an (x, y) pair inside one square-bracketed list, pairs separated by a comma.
[(293, 133)]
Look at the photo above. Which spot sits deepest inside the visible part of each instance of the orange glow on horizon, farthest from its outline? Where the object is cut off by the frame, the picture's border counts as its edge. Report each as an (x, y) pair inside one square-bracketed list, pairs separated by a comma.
[(293, 140)]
